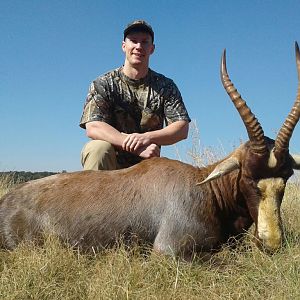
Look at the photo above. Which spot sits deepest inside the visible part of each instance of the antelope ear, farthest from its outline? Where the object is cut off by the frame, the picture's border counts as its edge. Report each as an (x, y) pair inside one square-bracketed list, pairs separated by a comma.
[(228, 165), (296, 161)]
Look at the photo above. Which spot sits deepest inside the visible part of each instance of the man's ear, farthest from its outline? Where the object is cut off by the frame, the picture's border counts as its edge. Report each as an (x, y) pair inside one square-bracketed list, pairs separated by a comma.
[(123, 46), (153, 48)]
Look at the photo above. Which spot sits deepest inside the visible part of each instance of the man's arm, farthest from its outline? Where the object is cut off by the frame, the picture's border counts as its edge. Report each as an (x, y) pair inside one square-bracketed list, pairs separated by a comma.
[(98, 130), (169, 135)]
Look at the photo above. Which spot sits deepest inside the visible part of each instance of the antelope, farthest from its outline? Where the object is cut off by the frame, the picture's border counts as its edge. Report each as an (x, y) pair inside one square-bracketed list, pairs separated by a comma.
[(178, 208)]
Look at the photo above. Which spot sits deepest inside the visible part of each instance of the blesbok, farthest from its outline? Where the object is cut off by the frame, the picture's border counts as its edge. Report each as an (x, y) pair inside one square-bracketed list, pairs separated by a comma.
[(175, 206)]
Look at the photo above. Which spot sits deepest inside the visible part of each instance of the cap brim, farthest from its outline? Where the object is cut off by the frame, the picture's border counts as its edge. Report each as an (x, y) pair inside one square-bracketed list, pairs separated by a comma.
[(141, 27)]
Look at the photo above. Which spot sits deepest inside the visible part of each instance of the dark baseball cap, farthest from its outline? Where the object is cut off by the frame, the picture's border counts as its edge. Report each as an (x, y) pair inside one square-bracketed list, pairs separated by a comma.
[(139, 25)]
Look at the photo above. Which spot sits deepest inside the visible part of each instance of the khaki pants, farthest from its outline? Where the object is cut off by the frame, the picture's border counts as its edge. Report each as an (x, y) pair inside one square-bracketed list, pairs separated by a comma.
[(98, 155)]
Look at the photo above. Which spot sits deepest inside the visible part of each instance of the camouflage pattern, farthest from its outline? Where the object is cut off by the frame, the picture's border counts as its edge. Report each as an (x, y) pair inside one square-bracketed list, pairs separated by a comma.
[(133, 105)]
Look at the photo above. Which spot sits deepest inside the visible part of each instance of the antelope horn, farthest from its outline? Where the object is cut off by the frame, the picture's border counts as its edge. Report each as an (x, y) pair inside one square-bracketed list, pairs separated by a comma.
[(254, 129), (286, 131)]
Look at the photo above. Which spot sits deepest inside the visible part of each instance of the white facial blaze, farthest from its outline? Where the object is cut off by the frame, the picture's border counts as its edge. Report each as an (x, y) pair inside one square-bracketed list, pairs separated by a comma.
[(272, 160), (269, 220)]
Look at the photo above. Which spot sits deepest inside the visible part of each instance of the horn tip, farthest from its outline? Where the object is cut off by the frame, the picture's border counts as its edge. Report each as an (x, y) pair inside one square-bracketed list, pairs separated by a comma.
[(224, 55), (223, 62), (297, 49), (297, 58)]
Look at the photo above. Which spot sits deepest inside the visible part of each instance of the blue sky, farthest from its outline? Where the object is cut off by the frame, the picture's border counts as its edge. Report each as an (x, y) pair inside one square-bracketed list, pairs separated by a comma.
[(51, 50)]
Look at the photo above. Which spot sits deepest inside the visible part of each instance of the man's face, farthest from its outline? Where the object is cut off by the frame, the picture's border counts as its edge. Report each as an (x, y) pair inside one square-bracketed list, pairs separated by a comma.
[(138, 47)]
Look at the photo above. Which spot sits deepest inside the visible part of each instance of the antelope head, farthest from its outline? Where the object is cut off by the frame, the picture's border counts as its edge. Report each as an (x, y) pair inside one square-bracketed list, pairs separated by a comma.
[(264, 165)]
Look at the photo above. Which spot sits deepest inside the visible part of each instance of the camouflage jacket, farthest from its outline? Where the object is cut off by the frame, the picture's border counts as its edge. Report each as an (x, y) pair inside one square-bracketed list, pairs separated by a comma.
[(133, 105)]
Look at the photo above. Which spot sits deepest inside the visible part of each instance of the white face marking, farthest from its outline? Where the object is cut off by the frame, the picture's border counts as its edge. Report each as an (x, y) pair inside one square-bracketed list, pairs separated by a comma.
[(269, 220), (272, 160)]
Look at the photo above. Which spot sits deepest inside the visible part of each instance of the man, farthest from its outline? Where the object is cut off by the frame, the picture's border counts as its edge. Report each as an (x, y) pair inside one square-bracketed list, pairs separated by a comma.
[(125, 109)]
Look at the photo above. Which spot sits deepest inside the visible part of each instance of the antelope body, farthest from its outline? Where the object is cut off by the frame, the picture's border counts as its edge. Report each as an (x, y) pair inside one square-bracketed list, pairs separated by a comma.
[(175, 206)]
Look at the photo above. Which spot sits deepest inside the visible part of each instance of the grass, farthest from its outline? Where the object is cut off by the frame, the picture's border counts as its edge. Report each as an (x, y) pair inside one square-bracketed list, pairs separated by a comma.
[(58, 272)]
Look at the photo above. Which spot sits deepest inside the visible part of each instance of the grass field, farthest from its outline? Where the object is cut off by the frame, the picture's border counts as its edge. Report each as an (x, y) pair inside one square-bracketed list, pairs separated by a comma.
[(57, 272)]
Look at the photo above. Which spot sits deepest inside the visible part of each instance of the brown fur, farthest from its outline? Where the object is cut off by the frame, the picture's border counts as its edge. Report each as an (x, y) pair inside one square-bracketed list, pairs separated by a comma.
[(157, 200)]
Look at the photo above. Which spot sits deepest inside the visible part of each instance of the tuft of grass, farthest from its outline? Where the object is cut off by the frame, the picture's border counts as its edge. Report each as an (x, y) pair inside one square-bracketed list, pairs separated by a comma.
[(200, 155), (6, 184)]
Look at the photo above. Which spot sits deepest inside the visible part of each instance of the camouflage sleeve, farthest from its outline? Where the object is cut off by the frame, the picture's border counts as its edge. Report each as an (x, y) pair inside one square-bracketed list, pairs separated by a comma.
[(97, 106), (174, 108)]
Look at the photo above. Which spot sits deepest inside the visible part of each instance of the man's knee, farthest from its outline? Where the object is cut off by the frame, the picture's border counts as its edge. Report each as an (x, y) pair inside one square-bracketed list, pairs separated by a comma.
[(96, 147), (98, 155)]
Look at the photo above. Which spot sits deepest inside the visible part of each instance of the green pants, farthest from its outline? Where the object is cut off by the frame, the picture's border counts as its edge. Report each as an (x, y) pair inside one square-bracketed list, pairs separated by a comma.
[(98, 155)]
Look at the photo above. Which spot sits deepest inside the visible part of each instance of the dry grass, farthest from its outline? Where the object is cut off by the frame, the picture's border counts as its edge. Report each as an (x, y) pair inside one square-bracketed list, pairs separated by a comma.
[(58, 272), (6, 183)]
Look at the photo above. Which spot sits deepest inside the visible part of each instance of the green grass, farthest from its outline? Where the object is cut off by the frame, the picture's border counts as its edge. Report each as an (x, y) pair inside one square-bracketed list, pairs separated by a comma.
[(58, 272)]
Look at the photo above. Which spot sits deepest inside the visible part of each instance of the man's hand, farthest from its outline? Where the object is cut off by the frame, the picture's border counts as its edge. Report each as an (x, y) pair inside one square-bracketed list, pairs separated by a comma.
[(140, 144), (149, 151), (134, 141)]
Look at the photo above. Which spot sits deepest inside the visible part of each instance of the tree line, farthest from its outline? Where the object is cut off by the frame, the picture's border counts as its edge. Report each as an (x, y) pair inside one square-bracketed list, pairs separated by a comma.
[(23, 176)]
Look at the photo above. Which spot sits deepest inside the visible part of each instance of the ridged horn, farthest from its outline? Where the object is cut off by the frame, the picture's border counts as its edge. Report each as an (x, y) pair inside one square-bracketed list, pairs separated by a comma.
[(285, 133), (254, 129)]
